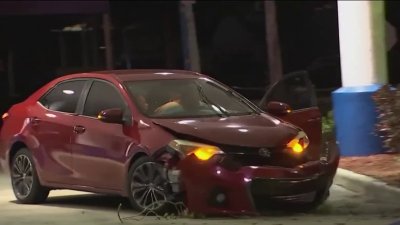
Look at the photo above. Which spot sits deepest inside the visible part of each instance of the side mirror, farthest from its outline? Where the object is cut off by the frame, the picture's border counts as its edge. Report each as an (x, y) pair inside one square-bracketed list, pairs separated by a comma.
[(111, 116), (278, 108)]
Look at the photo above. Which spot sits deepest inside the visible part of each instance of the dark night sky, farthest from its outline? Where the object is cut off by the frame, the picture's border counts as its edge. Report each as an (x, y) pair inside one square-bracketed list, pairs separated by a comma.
[(231, 38)]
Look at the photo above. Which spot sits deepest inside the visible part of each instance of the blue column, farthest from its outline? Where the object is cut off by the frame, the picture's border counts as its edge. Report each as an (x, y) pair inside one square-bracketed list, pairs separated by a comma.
[(355, 117)]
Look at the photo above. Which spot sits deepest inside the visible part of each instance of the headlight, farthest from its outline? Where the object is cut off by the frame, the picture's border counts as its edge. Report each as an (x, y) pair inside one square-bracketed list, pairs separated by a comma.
[(201, 151), (299, 143)]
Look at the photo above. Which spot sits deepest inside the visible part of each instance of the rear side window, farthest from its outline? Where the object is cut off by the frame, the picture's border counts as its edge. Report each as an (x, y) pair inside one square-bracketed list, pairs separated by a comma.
[(102, 96), (64, 97)]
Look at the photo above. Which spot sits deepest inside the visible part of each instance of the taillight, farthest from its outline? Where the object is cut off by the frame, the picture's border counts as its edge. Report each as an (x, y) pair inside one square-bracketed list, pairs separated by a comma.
[(4, 116)]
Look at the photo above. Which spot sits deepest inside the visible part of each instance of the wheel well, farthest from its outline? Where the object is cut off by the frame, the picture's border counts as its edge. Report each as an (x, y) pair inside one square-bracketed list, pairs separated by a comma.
[(14, 149), (136, 157)]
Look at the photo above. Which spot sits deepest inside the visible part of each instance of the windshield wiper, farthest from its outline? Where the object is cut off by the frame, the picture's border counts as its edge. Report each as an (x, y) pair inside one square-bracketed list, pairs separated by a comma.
[(204, 98)]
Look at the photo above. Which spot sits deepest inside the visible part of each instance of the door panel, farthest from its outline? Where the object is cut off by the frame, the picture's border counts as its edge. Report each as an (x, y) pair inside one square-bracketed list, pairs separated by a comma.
[(53, 131), (99, 149), (51, 122), (99, 153), (297, 90)]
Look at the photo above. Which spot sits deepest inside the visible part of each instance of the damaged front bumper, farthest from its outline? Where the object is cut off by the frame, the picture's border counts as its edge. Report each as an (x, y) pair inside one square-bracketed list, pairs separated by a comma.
[(211, 188)]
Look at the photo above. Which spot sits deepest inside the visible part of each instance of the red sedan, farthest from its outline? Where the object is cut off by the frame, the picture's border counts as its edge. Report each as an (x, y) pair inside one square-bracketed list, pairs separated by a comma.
[(158, 137)]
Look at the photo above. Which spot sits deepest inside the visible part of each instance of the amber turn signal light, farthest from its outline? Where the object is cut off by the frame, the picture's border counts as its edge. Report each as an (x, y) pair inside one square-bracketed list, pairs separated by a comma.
[(202, 152), (295, 146), (205, 153)]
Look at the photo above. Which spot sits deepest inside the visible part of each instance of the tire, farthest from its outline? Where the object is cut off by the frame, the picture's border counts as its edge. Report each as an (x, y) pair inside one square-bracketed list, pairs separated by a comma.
[(24, 179), (145, 186)]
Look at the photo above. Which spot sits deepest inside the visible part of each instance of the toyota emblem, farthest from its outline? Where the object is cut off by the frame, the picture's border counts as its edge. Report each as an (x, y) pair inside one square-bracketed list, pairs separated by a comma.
[(264, 152)]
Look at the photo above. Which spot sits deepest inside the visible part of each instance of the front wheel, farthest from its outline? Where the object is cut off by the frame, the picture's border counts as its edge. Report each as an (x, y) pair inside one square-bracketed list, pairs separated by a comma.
[(25, 182), (148, 188)]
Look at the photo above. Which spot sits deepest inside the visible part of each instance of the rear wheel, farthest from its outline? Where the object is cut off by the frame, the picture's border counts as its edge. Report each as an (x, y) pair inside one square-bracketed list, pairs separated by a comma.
[(148, 187), (25, 182)]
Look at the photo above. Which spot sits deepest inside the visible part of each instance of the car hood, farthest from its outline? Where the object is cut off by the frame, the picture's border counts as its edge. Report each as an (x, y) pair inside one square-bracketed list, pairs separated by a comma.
[(250, 131)]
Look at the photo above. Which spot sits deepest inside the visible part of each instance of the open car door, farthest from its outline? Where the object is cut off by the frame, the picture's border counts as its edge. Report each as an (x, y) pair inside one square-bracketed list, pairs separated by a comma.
[(297, 91)]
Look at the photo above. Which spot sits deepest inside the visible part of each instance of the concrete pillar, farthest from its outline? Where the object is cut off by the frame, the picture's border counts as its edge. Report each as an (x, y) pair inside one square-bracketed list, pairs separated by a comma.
[(362, 42), (364, 70)]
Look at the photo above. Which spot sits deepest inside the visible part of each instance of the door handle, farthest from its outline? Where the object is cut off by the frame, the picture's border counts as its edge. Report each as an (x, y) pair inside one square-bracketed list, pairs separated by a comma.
[(35, 121), (79, 129)]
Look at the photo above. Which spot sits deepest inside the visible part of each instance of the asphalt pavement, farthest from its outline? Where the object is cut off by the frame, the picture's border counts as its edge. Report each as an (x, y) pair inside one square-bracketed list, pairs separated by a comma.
[(64, 207)]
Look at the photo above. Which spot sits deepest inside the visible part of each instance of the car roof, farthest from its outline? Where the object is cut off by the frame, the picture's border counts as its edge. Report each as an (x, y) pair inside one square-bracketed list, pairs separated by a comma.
[(141, 74)]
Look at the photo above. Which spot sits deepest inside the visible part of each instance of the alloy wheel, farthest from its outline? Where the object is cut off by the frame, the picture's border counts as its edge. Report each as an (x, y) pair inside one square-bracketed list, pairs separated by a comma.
[(148, 186), (22, 176)]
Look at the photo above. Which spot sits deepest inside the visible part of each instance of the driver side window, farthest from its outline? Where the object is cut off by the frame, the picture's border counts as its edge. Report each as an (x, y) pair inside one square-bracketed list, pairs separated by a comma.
[(295, 89), (102, 96)]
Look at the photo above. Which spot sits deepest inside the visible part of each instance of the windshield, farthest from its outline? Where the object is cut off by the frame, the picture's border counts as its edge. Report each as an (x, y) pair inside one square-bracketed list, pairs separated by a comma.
[(187, 98)]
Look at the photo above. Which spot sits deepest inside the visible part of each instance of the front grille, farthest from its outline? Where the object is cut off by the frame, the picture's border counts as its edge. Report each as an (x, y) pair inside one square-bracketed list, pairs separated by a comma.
[(245, 156)]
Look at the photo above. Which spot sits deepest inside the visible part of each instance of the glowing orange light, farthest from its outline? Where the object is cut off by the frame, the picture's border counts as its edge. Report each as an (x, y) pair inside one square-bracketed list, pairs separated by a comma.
[(205, 153), (5, 115), (295, 146)]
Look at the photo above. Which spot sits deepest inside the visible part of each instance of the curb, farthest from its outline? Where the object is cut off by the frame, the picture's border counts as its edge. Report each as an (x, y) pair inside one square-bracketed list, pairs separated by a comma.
[(366, 185)]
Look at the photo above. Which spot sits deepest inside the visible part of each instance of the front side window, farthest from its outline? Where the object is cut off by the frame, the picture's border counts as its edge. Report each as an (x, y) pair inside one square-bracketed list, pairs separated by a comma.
[(64, 97), (294, 89), (186, 98), (102, 96)]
